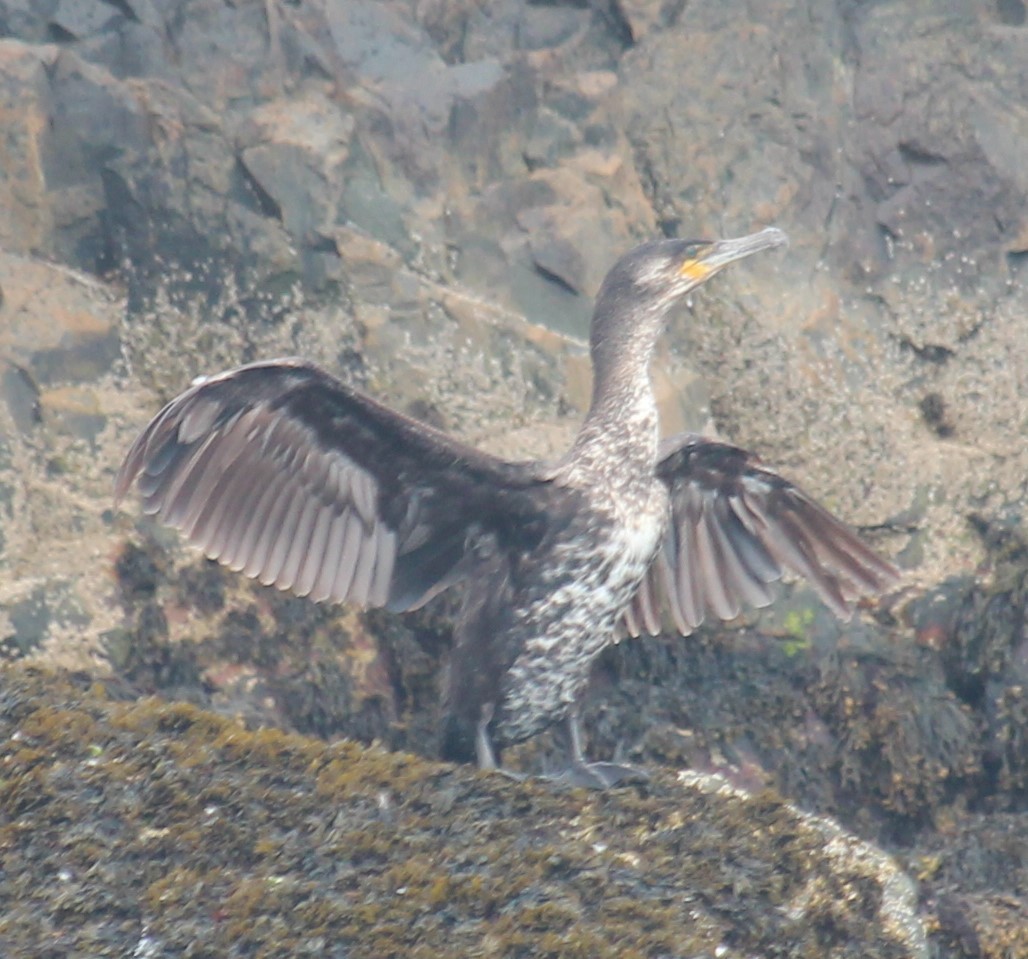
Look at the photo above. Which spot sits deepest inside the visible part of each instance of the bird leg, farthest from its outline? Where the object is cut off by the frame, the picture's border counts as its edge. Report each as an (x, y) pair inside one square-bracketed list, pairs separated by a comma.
[(484, 748), (581, 772)]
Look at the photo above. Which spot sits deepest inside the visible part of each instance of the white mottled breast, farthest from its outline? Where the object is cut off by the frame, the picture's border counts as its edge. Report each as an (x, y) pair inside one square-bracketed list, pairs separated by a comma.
[(573, 618)]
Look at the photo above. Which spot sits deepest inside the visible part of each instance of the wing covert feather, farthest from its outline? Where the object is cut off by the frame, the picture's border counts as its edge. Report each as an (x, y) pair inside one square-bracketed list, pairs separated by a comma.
[(282, 472), (735, 529)]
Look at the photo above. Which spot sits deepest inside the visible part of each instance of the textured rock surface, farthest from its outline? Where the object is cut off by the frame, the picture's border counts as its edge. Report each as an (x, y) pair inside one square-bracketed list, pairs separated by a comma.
[(165, 829), (391, 188)]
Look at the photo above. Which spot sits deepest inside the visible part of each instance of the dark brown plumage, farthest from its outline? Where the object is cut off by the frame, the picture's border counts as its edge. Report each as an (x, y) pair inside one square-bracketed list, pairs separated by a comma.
[(280, 471)]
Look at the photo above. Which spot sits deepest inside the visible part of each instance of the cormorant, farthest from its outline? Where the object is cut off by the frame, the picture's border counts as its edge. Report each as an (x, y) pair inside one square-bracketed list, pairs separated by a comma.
[(282, 472)]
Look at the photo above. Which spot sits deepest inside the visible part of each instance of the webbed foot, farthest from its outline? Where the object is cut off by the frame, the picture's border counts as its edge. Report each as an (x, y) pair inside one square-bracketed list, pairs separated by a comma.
[(579, 772), (599, 775)]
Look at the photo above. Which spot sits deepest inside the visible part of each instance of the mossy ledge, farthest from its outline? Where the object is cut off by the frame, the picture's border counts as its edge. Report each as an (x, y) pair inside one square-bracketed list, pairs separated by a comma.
[(143, 828)]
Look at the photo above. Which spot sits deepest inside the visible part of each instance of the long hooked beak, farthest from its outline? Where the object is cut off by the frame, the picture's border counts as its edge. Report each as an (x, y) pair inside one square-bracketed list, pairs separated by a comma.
[(720, 253)]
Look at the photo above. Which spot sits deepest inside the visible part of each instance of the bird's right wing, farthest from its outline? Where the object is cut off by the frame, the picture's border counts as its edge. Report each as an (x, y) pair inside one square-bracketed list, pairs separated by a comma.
[(735, 529), (282, 472)]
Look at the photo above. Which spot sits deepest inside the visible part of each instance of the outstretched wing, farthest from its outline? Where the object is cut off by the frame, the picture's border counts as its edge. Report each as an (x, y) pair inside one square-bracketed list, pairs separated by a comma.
[(735, 528), (280, 471)]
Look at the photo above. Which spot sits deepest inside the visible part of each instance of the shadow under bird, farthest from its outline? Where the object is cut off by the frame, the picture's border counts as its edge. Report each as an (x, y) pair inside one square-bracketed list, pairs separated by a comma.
[(280, 471)]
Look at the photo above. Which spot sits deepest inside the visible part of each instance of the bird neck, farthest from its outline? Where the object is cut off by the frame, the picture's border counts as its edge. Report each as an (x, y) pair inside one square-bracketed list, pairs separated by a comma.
[(621, 427)]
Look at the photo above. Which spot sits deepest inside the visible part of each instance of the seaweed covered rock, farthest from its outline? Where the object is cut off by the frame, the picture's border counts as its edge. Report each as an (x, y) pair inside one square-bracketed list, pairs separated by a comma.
[(137, 827)]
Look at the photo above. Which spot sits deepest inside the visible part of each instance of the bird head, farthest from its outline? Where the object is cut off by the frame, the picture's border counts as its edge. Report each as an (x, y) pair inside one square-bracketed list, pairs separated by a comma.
[(646, 281)]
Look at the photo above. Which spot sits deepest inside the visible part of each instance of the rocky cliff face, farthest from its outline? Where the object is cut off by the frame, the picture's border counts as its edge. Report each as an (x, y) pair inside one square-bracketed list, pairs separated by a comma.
[(424, 196)]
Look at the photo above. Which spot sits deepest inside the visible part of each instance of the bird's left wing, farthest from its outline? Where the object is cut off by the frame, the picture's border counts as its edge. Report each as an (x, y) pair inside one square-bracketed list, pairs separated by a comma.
[(735, 529), (279, 470)]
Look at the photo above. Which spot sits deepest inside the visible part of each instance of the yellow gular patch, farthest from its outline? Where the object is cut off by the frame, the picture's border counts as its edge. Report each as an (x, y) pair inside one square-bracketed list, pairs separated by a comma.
[(695, 270)]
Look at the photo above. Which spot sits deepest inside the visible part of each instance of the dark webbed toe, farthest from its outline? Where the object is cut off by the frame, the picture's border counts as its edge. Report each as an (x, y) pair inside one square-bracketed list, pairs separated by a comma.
[(598, 775), (581, 772)]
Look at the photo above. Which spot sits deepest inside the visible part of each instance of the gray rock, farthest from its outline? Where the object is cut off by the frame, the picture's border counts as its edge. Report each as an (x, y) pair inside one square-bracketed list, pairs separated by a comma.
[(392, 187), (295, 152), (75, 19), (27, 19)]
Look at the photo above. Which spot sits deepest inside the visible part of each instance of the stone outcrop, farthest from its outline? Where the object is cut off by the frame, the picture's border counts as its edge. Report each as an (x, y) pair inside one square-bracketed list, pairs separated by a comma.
[(424, 196)]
